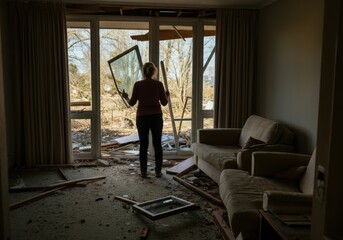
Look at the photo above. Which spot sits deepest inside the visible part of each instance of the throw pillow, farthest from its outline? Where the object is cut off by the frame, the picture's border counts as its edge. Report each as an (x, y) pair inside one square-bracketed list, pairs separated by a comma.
[(253, 142), (292, 174)]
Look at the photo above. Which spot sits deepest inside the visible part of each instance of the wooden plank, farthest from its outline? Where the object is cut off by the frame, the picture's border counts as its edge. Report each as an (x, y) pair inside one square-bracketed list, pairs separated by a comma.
[(129, 201), (220, 222), (197, 190), (187, 170), (73, 165), (121, 147), (34, 198), (180, 167), (64, 184)]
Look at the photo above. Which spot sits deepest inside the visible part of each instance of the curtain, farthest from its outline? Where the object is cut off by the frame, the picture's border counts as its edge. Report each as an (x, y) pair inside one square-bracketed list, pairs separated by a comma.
[(235, 66), (39, 83)]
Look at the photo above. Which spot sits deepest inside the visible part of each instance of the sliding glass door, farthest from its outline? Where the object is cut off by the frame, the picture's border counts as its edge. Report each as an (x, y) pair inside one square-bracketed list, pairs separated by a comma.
[(124, 46), (176, 63)]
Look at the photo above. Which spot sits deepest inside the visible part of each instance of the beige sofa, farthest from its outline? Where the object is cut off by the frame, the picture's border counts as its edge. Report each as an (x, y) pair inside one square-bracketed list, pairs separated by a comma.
[(231, 148), (282, 182)]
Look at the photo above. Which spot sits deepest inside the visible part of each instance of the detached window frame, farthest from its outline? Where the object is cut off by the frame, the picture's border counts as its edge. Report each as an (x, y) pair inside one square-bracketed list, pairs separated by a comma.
[(155, 209), (127, 85)]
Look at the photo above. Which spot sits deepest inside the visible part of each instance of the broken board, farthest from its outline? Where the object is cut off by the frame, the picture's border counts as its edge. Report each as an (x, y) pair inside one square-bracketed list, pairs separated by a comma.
[(181, 166)]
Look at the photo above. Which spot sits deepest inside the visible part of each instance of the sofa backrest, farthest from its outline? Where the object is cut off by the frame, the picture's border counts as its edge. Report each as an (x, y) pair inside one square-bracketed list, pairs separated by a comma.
[(306, 183), (260, 128)]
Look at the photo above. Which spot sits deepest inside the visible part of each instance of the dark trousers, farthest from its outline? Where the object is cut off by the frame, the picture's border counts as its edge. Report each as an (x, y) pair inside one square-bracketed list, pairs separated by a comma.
[(155, 124)]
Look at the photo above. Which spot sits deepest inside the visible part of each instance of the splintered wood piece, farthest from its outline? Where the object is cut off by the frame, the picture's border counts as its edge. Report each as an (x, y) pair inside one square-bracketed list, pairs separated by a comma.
[(123, 147), (224, 229), (143, 233), (64, 184), (182, 167), (73, 165), (198, 190), (34, 198), (108, 145), (187, 170), (126, 200)]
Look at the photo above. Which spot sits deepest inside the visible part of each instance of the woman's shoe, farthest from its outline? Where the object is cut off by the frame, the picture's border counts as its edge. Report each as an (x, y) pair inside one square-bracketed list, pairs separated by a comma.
[(158, 174), (143, 174)]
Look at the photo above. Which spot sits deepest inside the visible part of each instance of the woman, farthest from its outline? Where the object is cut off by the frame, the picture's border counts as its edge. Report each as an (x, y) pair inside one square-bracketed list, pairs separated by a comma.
[(150, 95)]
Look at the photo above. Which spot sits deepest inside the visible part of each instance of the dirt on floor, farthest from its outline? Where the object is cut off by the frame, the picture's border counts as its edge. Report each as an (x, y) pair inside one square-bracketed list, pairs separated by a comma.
[(93, 211)]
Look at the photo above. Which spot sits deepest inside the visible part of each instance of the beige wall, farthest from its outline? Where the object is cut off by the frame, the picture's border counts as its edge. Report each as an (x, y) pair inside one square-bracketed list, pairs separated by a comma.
[(289, 61)]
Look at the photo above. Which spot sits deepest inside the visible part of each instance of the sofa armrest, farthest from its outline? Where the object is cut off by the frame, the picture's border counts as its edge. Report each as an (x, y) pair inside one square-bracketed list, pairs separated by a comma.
[(267, 164), (287, 202), (219, 136)]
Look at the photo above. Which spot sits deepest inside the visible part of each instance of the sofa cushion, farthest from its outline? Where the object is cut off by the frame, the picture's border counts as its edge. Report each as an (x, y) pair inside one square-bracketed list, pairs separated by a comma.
[(264, 129), (287, 136), (242, 195), (253, 142), (219, 156)]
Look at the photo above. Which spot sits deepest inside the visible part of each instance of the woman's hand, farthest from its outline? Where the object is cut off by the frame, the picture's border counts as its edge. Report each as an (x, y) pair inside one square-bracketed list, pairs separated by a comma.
[(125, 95)]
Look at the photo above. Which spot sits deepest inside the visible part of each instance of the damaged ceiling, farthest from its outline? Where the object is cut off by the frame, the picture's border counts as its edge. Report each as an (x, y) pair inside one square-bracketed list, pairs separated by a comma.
[(160, 8), (140, 11)]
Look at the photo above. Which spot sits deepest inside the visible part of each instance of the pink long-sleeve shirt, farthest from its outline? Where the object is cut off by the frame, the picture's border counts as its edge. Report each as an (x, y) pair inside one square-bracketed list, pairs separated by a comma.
[(150, 95)]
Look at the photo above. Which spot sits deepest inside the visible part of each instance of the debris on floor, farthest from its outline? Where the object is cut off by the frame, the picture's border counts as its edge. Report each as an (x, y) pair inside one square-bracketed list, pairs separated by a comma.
[(93, 212), (47, 189)]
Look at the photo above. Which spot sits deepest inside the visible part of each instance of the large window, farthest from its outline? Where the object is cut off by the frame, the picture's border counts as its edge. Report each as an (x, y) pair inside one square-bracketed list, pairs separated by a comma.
[(103, 61)]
